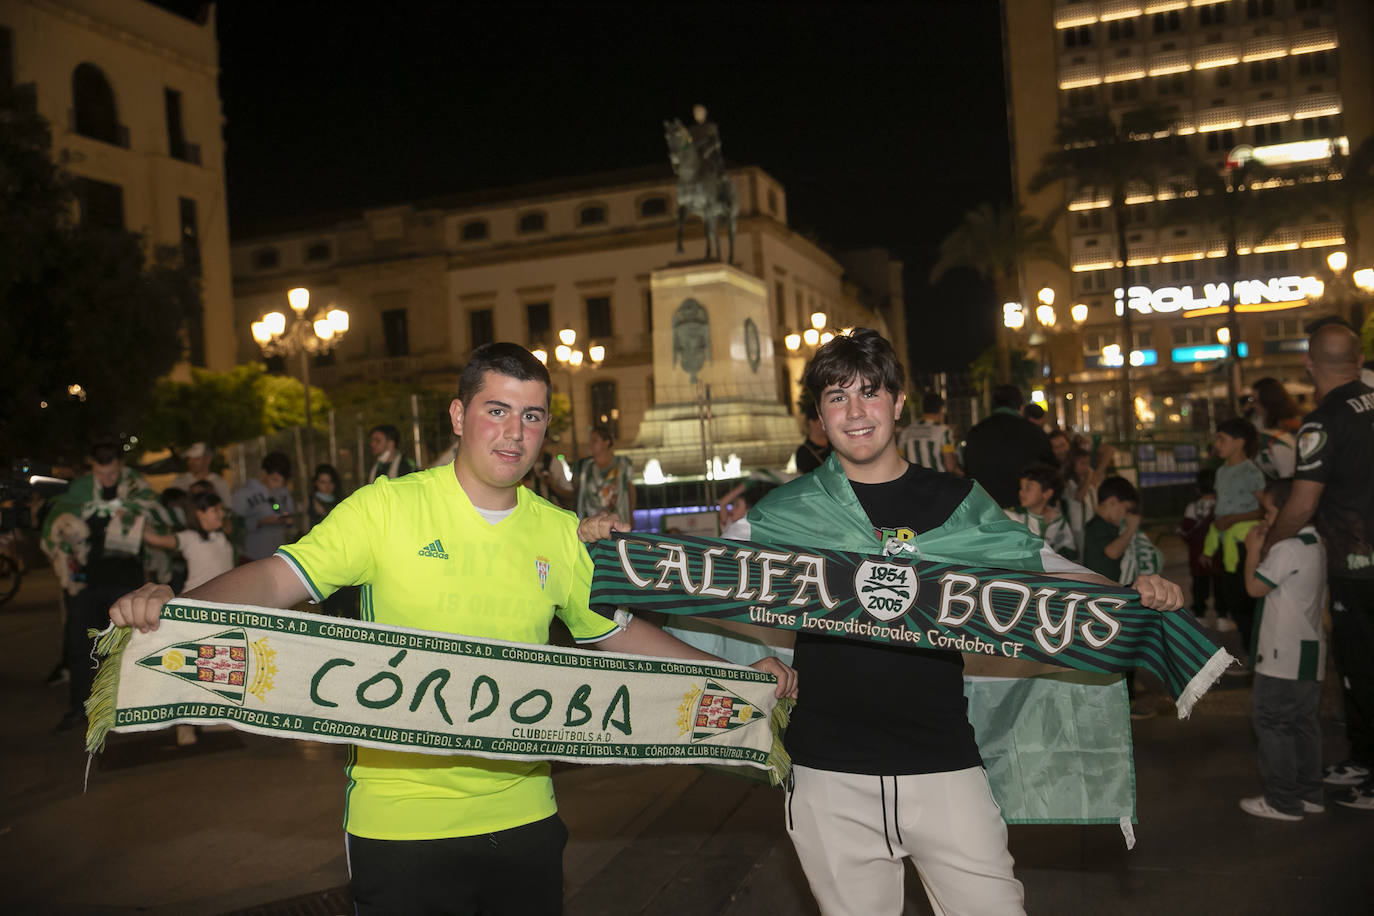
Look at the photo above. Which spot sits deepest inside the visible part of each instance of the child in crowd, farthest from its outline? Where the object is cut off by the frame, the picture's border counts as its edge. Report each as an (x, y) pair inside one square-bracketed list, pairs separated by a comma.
[(1081, 479), (1198, 516), (206, 550), (1039, 497), (1289, 659), (1107, 539), (1238, 481)]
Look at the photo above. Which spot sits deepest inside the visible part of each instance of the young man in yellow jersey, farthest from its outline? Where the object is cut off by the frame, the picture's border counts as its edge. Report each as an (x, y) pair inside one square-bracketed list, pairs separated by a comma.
[(455, 549)]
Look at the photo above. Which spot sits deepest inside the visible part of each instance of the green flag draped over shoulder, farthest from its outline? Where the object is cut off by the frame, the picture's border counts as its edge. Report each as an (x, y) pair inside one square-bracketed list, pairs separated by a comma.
[(1056, 746)]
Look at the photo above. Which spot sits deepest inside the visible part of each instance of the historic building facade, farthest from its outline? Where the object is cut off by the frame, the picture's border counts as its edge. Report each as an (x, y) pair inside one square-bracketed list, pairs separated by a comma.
[(1283, 82), (131, 93), (426, 282)]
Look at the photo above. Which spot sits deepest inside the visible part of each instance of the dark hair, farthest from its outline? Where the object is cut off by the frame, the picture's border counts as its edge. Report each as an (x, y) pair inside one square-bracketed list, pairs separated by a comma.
[(1006, 396), (277, 463), (199, 486), (603, 433), (508, 359), (1279, 491), (105, 452), (333, 474), (1058, 433), (931, 402), (199, 502), (171, 496), (1071, 461), (392, 434), (865, 355), (1118, 487), (1238, 428), (1278, 405), (1207, 480), (807, 405), (1034, 412), (1045, 475)]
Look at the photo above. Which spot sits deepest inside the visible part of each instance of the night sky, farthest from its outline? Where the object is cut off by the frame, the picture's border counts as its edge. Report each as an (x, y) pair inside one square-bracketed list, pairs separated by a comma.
[(884, 122)]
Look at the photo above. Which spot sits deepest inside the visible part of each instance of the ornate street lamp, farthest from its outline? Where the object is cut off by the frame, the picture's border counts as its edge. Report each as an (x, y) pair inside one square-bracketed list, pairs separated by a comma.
[(303, 337), (572, 359)]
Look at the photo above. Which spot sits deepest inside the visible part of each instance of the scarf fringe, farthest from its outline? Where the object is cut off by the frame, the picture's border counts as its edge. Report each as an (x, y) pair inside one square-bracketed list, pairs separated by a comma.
[(779, 761), (1201, 682), (102, 703)]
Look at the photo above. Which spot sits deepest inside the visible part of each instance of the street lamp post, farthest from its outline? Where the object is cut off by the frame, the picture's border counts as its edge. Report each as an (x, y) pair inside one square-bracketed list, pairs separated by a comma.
[(304, 337), (572, 359)]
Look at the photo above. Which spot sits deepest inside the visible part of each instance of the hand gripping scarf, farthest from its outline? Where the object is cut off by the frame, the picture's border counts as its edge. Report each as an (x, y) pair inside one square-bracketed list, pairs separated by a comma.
[(317, 678)]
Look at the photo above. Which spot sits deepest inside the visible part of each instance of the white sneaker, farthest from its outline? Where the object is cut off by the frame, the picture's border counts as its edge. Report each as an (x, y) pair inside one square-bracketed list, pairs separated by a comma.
[(1347, 773), (1312, 807), (1260, 807)]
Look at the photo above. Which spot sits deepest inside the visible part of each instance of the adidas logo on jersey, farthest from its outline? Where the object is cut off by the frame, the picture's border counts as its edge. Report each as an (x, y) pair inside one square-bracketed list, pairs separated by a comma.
[(434, 549)]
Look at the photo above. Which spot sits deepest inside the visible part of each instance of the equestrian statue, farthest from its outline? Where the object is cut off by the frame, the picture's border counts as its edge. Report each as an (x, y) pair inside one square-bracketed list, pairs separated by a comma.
[(703, 187)]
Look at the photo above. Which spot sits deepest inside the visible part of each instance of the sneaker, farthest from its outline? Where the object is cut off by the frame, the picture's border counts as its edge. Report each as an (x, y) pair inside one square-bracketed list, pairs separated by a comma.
[(1361, 797), (1260, 807), (1310, 807), (1346, 773), (1142, 710)]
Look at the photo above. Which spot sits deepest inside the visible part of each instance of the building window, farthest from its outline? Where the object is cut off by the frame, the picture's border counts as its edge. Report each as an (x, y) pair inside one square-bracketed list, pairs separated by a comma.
[(176, 135), (538, 323), (1220, 141), (474, 230), (6, 61), (317, 252), (481, 327), (591, 215), (599, 318), (1189, 334), (1167, 22), (99, 203), (190, 234), (1172, 84), (772, 202), (1264, 71), (1309, 64), (653, 206), (649, 311), (1094, 341), (605, 408), (266, 259), (1257, 8), (93, 103), (396, 332), (1268, 133), (1127, 91), (1214, 14), (531, 222), (1082, 97), (1121, 30), (1078, 37), (1280, 328), (1316, 127), (1308, 4), (1223, 77)]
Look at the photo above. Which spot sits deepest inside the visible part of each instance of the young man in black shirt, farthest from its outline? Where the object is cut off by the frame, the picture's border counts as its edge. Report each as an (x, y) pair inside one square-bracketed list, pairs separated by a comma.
[(1334, 485), (884, 760)]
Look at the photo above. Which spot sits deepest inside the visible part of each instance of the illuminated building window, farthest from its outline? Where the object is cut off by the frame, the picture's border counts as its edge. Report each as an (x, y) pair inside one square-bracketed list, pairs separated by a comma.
[(531, 222)]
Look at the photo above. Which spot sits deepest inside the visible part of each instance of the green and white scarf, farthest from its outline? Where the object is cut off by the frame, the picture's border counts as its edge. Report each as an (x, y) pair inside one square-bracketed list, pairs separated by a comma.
[(309, 677)]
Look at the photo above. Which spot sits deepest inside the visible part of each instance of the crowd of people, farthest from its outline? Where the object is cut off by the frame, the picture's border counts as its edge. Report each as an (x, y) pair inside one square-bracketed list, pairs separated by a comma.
[(1281, 518)]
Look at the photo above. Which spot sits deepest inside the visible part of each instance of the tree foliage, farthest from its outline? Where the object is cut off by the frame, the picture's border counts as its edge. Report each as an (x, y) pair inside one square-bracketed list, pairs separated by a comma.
[(996, 241), (79, 305)]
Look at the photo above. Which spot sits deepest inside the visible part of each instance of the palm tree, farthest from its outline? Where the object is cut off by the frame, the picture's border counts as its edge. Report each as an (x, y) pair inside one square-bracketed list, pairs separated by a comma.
[(996, 240), (1093, 152)]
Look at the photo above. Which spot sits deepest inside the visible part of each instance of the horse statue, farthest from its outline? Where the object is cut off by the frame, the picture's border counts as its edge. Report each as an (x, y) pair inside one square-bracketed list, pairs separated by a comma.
[(703, 188)]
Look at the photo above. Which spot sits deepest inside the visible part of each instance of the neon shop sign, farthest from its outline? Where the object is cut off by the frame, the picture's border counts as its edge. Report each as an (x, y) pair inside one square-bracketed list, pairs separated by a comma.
[(1167, 299)]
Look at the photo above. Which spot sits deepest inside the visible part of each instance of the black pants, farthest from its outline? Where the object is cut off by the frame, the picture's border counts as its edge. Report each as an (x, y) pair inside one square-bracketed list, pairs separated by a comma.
[(1352, 647), (88, 609), (1202, 590), (515, 872), (1234, 601)]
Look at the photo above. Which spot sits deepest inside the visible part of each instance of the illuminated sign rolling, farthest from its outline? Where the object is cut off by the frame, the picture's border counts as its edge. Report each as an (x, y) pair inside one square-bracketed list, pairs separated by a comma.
[(1167, 299), (1205, 353)]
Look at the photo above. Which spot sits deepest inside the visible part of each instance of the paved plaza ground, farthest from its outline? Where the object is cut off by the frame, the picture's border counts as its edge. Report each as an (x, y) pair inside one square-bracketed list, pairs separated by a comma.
[(246, 823)]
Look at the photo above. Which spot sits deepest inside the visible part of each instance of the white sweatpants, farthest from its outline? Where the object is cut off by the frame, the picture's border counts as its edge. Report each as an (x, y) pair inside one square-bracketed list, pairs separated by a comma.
[(852, 832)]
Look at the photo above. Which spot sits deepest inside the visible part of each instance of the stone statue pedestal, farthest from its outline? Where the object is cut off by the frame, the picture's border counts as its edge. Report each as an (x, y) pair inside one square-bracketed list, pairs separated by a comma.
[(713, 356)]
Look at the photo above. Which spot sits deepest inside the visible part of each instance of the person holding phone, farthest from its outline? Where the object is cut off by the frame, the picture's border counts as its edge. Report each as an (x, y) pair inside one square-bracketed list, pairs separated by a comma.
[(265, 505)]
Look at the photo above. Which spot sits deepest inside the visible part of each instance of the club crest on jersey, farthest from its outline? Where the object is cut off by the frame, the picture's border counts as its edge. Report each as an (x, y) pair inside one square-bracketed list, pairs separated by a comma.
[(541, 566)]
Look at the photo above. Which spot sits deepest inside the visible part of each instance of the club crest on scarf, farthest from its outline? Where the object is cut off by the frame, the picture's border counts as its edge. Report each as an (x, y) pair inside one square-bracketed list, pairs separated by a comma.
[(225, 663), (712, 711), (886, 590)]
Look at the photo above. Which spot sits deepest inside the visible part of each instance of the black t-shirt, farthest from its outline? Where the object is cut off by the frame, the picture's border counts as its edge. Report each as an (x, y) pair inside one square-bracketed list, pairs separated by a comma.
[(1336, 448), (883, 711), (104, 570), (998, 449)]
